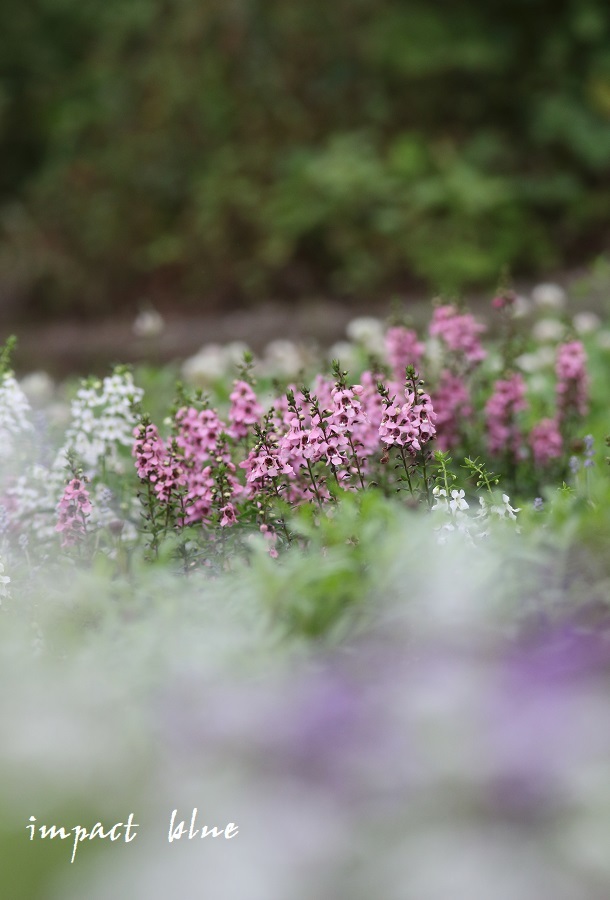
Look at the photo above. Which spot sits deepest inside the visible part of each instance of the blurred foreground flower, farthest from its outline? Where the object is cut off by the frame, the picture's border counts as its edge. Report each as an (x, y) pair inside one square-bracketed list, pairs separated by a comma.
[(4, 580)]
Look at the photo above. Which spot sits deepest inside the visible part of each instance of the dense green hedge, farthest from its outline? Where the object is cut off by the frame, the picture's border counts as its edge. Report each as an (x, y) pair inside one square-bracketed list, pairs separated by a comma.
[(241, 147)]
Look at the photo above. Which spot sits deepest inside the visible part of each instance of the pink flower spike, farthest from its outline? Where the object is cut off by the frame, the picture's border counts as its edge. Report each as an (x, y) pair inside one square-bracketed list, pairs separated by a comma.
[(572, 379), (508, 399), (245, 410), (73, 509), (403, 349), (546, 441)]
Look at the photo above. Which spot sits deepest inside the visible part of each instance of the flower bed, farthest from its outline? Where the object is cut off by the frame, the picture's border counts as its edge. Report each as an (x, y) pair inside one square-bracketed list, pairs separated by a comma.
[(361, 614)]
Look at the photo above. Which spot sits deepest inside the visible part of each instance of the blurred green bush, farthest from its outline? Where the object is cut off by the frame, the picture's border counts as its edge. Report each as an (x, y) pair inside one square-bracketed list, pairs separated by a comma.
[(236, 148)]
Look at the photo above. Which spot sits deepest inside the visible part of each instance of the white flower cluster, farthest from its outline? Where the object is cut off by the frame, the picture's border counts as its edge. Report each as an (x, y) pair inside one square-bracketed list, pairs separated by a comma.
[(4, 581), (368, 332), (33, 497), (471, 527), (148, 324), (212, 363), (14, 411), (102, 419), (502, 510), (454, 507)]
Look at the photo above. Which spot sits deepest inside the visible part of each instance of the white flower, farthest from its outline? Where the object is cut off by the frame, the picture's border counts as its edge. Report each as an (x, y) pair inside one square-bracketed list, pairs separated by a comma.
[(102, 418), (38, 387), (586, 322), (346, 353), (521, 307), (148, 323), (283, 357), (548, 330), (4, 580), (528, 362), (542, 358), (14, 410), (441, 499), (234, 353), (208, 365), (509, 510), (213, 362), (457, 501), (367, 331), (501, 511), (549, 296)]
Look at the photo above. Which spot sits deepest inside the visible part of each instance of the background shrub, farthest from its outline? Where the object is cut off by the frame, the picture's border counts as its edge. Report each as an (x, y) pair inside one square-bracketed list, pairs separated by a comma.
[(232, 150)]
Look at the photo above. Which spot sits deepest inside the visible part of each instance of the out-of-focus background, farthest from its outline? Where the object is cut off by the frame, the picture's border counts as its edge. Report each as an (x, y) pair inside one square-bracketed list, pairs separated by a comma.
[(205, 158)]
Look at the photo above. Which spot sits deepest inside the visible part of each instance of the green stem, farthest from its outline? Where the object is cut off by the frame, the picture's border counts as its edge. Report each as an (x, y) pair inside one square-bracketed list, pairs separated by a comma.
[(355, 455), (404, 462)]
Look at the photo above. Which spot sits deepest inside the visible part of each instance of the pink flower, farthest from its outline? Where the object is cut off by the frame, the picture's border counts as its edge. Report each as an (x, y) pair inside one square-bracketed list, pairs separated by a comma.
[(148, 450), (508, 398), (460, 332), (245, 410), (452, 407), (346, 411), (157, 464), (199, 499), (572, 379), (294, 442), (198, 433), (546, 441), (506, 300), (327, 442), (170, 476), (409, 425), (227, 516), (403, 349), (73, 508), (373, 411), (262, 465)]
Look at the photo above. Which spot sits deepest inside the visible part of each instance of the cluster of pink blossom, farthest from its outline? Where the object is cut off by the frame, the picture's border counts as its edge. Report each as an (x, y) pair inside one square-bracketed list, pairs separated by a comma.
[(503, 433), (159, 466), (148, 450), (546, 441), (336, 434), (201, 439), (572, 379), (459, 332), (409, 425), (374, 407), (73, 509), (452, 406), (245, 410), (264, 465), (403, 348), (211, 488), (342, 432), (327, 441)]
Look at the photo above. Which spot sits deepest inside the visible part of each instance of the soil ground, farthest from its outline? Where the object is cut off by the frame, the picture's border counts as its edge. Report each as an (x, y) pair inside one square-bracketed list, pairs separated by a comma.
[(66, 347)]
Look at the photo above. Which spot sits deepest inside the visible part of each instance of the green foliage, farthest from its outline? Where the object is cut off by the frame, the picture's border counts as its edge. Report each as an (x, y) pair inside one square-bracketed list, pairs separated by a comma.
[(237, 149)]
